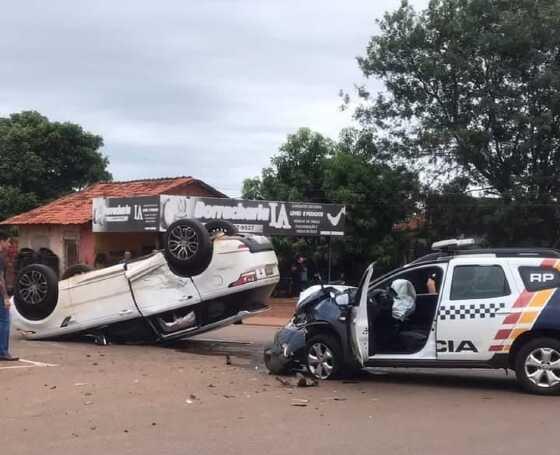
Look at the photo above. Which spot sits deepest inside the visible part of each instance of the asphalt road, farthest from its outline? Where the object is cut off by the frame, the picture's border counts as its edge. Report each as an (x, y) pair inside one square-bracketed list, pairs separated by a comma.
[(185, 399)]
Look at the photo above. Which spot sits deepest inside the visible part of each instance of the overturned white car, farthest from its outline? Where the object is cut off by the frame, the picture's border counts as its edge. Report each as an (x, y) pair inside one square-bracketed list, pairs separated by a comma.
[(205, 277)]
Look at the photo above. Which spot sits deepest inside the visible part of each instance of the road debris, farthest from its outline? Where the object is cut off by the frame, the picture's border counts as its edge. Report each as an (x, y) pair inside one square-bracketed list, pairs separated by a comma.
[(299, 402), (304, 381), (283, 381)]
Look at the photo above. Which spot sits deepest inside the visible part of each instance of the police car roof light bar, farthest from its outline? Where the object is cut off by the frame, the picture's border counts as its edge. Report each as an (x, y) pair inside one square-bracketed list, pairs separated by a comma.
[(453, 244)]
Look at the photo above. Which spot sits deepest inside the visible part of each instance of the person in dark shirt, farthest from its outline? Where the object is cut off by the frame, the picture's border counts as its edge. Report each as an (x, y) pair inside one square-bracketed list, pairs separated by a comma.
[(4, 304), (299, 275)]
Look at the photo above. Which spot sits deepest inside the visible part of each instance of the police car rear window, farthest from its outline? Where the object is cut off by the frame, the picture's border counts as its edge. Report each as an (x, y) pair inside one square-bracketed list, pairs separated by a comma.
[(472, 282), (539, 278)]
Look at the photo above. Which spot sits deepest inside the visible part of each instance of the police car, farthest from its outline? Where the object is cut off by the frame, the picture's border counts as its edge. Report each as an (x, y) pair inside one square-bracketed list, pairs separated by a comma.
[(459, 307)]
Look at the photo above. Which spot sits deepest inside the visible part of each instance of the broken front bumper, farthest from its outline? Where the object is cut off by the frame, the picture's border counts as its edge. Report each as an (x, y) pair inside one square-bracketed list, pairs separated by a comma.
[(287, 351)]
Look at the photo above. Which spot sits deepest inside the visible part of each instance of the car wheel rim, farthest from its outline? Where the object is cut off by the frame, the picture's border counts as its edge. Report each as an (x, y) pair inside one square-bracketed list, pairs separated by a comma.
[(182, 242), (320, 360), (542, 367), (33, 287)]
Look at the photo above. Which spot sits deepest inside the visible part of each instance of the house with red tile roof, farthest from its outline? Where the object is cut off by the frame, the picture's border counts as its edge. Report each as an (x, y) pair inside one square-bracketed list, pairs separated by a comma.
[(64, 226)]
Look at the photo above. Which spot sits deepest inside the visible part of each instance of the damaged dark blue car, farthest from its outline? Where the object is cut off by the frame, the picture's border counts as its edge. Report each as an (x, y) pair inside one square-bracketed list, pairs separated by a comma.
[(318, 336)]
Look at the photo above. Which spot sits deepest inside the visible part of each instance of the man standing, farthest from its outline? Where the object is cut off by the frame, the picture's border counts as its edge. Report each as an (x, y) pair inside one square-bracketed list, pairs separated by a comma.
[(4, 304), (299, 275)]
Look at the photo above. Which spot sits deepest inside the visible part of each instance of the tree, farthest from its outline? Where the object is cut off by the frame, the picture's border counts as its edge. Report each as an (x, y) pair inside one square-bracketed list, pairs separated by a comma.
[(310, 167), (377, 197), (473, 85), (41, 160), (452, 211), (296, 172)]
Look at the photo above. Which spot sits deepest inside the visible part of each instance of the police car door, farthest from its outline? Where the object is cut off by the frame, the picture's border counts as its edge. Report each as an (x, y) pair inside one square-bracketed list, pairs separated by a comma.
[(360, 324), (477, 294)]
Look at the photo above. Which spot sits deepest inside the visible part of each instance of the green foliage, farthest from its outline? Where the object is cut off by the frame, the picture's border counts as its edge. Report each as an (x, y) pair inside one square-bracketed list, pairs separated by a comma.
[(13, 201), (252, 189), (41, 160), (377, 197), (310, 167), (452, 212), (472, 85), (297, 172)]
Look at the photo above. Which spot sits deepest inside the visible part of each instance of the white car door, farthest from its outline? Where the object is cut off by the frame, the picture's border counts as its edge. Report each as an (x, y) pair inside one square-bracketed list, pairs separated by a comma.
[(157, 289), (360, 325), (100, 297), (477, 295)]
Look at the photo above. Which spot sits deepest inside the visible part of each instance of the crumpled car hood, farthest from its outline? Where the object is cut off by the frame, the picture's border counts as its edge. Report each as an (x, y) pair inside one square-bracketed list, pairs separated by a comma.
[(317, 288)]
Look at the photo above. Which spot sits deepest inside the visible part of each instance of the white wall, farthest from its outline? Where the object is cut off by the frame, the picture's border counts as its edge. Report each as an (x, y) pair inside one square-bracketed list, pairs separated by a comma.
[(47, 236)]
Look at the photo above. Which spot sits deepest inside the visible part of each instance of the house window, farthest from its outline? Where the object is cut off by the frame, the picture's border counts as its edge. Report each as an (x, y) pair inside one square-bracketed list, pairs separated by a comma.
[(70, 252)]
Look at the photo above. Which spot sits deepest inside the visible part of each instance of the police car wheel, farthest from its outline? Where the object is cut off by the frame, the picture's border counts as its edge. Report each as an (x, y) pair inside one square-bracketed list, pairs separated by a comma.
[(537, 366), (323, 356)]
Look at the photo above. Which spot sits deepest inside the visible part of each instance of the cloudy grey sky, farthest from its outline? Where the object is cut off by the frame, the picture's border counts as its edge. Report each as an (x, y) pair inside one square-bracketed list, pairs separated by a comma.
[(208, 88)]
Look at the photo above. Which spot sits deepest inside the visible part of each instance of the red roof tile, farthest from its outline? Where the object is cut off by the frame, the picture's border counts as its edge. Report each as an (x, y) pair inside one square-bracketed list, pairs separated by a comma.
[(76, 208)]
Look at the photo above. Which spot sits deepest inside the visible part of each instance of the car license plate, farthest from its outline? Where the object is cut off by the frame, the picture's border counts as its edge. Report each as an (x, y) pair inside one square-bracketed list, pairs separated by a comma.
[(269, 270)]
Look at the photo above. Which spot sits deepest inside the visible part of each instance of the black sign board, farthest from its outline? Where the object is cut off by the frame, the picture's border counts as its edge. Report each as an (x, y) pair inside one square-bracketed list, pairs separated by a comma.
[(258, 217), (131, 214)]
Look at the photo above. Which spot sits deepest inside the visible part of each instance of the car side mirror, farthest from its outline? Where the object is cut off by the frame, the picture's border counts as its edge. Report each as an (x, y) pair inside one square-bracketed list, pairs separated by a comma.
[(342, 299)]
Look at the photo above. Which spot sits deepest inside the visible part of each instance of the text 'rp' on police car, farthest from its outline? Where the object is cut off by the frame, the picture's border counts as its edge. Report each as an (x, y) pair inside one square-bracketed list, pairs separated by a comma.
[(459, 307)]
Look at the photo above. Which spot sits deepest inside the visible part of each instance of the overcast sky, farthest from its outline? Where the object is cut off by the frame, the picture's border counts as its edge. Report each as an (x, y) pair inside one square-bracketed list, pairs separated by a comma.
[(208, 88)]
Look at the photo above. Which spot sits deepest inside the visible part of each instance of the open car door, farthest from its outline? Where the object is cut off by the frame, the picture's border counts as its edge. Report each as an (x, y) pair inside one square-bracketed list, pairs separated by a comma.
[(360, 325)]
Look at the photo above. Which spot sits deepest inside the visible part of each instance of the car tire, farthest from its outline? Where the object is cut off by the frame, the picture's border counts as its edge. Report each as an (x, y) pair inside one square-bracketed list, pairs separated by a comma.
[(74, 270), (187, 247), (36, 292), (537, 366), (323, 356), (216, 226)]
